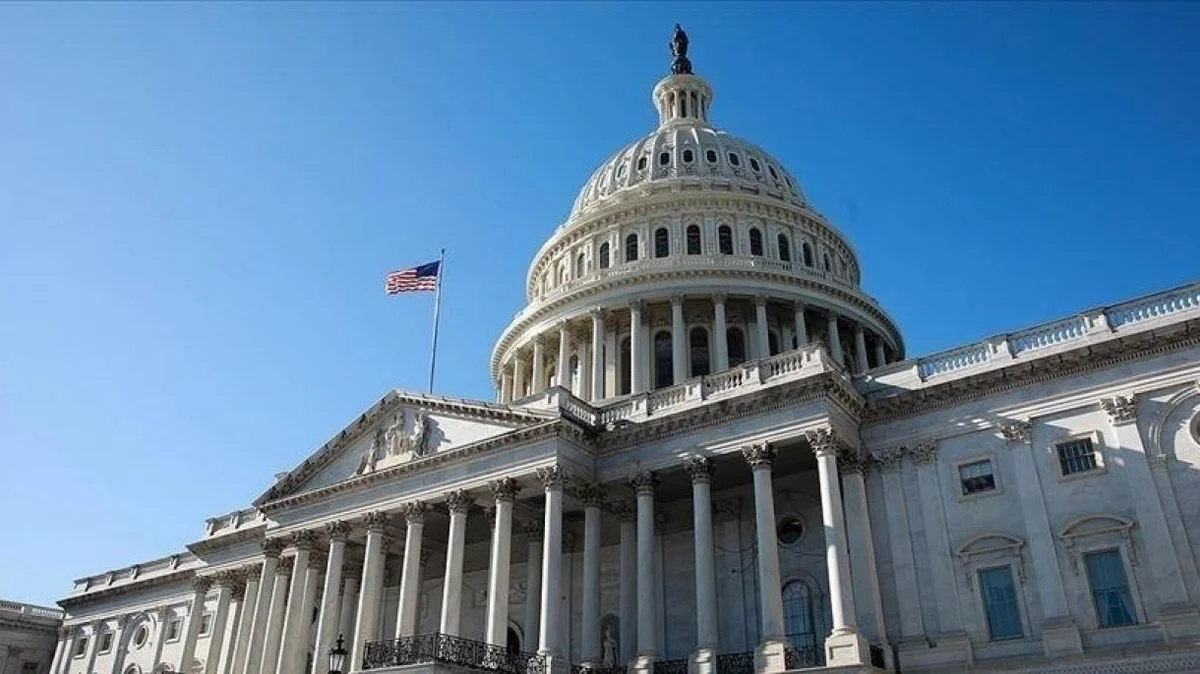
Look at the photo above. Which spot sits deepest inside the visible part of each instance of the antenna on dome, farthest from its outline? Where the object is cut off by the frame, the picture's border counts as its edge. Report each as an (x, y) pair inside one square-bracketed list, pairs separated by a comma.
[(680, 65)]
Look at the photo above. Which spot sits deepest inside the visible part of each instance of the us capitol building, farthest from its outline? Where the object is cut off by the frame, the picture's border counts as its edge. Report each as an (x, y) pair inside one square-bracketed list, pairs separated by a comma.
[(710, 453)]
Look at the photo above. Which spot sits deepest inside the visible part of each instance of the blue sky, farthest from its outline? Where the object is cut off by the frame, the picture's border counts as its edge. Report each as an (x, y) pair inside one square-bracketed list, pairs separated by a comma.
[(198, 204)]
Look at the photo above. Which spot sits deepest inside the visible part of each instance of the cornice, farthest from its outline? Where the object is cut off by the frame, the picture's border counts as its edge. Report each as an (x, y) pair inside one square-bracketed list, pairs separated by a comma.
[(49, 627), (1020, 374), (139, 585), (249, 534), (385, 405)]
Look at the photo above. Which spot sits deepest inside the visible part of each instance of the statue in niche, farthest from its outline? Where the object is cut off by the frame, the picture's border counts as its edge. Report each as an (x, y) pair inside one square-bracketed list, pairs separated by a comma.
[(609, 644)]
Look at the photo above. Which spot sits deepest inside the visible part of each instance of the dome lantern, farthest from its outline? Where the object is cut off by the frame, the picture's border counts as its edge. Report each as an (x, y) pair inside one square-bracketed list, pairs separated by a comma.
[(682, 97)]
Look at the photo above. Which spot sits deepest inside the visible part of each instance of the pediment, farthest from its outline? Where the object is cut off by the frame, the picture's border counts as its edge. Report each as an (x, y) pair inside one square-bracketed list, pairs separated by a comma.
[(988, 543), (400, 428), (1092, 525)]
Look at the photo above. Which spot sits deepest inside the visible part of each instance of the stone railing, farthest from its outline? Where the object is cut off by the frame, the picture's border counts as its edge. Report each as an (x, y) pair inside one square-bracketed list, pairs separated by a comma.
[(1181, 303), (450, 650), (18, 610)]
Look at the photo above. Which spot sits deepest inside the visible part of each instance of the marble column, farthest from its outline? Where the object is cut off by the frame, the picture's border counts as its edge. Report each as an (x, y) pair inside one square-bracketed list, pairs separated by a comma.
[(597, 354), (506, 384), (518, 377), (262, 605), (1060, 633), (627, 601), (704, 658), (904, 566), (351, 579), (273, 637), (769, 656), (548, 639), (410, 577), (647, 649), (533, 585), (241, 643), (564, 356), (327, 619), (504, 492), (458, 503), (296, 616), (165, 617), (539, 366), (1176, 614), (861, 546), (61, 649), (372, 585), (720, 333), (835, 339), (801, 326), (200, 588), (860, 348), (225, 581), (296, 655), (762, 336), (93, 645), (679, 341), (880, 356), (121, 647), (637, 350), (589, 651)]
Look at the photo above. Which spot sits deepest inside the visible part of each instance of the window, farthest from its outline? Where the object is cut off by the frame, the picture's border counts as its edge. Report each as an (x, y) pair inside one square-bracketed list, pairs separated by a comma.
[(625, 384), (1000, 603), (976, 477), (807, 251), (573, 383), (579, 265), (785, 249), (1076, 456), (29, 668), (736, 343), (756, 245), (693, 240), (205, 624), (662, 242), (141, 636), (604, 255), (772, 342), (1106, 574), (105, 643), (621, 170), (734, 159), (81, 647), (754, 164), (664, 158), (725, 240), (798, 616), (663, 363), (711, 156), (698, 344), (631, 247), (828, 267), (173, 629), (688, 156), (773, 173), (641, 163), (790, 530)]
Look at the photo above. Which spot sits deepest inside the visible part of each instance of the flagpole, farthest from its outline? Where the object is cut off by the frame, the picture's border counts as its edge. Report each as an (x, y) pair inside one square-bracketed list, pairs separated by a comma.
[(437, 304)]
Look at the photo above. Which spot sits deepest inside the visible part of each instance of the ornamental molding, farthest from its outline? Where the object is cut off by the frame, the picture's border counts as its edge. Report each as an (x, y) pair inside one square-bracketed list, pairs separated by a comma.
[(923, 454), (824, 441), (643, 483), (458, 501), (303, 540), (888, 459), (414, 512), (376, 521), (700, 468), (551, 477), (273, 547), (1121, 409), (504, 489), (338, 530), (850, 460), (1024, 373), (1017, 431), (591, 495), (759, 455)]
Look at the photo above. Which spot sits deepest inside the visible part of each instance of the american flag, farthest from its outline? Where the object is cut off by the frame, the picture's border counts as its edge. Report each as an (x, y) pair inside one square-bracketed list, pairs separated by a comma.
[(413, 279)]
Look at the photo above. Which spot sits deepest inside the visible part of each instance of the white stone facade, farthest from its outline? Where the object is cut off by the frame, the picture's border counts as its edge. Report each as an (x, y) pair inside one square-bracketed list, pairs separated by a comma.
[(28, 637), (804, 498)]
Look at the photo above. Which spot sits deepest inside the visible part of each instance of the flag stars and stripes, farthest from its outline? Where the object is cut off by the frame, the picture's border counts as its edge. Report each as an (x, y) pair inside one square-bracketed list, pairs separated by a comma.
[(414, 279)]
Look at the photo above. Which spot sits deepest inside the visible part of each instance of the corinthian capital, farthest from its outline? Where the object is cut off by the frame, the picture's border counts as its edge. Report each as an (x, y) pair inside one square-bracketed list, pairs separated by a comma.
[(643, 483), (201, 584), (823, 441), (1016, 431), (851, 460), (504, 489), (923, 453), (592, 495), (337, 531), (551, 477), (303, 540), (700, 468), (760, 455), (376, 521), (458, 501), (1121, 409), (414, 512), (889, 459), (273, 547)]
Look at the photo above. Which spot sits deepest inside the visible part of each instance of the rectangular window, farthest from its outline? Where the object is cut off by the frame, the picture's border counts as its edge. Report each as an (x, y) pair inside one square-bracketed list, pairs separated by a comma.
[(977, 477), (205, 624), (1110, 591), (1000, 603), (1076, 456), (81, 647), (173, 629), (106, 642), (28, 667)]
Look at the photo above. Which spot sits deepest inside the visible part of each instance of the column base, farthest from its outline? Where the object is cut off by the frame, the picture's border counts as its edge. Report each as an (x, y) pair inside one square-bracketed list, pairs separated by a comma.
[(703, 661), (1060, 637), (643, 664), (1180, 621), (847, 648), (556, 663), (770, 656), (952, 650)]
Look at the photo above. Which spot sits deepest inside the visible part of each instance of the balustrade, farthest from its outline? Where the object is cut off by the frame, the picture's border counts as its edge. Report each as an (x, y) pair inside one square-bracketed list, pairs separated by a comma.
[(1048, 335)]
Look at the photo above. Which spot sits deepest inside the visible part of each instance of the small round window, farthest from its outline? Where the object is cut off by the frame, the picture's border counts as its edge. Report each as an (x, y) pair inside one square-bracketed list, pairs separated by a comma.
[(790, 530), (140, 636), (1196, 429), (711, 156), (734, 159)]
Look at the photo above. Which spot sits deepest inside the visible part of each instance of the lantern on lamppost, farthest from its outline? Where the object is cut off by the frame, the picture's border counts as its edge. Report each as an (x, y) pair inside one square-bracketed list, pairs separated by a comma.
[(337, 657)]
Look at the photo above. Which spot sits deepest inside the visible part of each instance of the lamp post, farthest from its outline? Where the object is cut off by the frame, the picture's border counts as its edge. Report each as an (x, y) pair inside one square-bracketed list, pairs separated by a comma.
[(337, 657)]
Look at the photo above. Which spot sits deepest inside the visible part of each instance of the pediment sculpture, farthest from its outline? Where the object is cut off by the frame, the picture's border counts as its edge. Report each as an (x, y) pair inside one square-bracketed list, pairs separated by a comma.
[(406, 436)]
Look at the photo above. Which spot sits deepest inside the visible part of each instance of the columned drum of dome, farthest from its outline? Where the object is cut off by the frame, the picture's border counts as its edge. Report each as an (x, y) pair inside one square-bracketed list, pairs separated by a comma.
[(706, 232)]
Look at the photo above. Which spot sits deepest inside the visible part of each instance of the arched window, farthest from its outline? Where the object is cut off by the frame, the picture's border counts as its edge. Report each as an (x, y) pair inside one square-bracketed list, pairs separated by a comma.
[(785, 249), (625, 380), (663, 367), (575, 383), (754, 164), (734, 159), (513, 644), (756, 246), (798, 616), (604, 255), (562, 274), (725, 240), (736, 342), (807, 251), (579, 265), (662, 242), (828, 267), (773, 342), (631, 248), (711, 156), (688, 156), (693, 240), (641, 163), (664, 158), (698, 345)]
